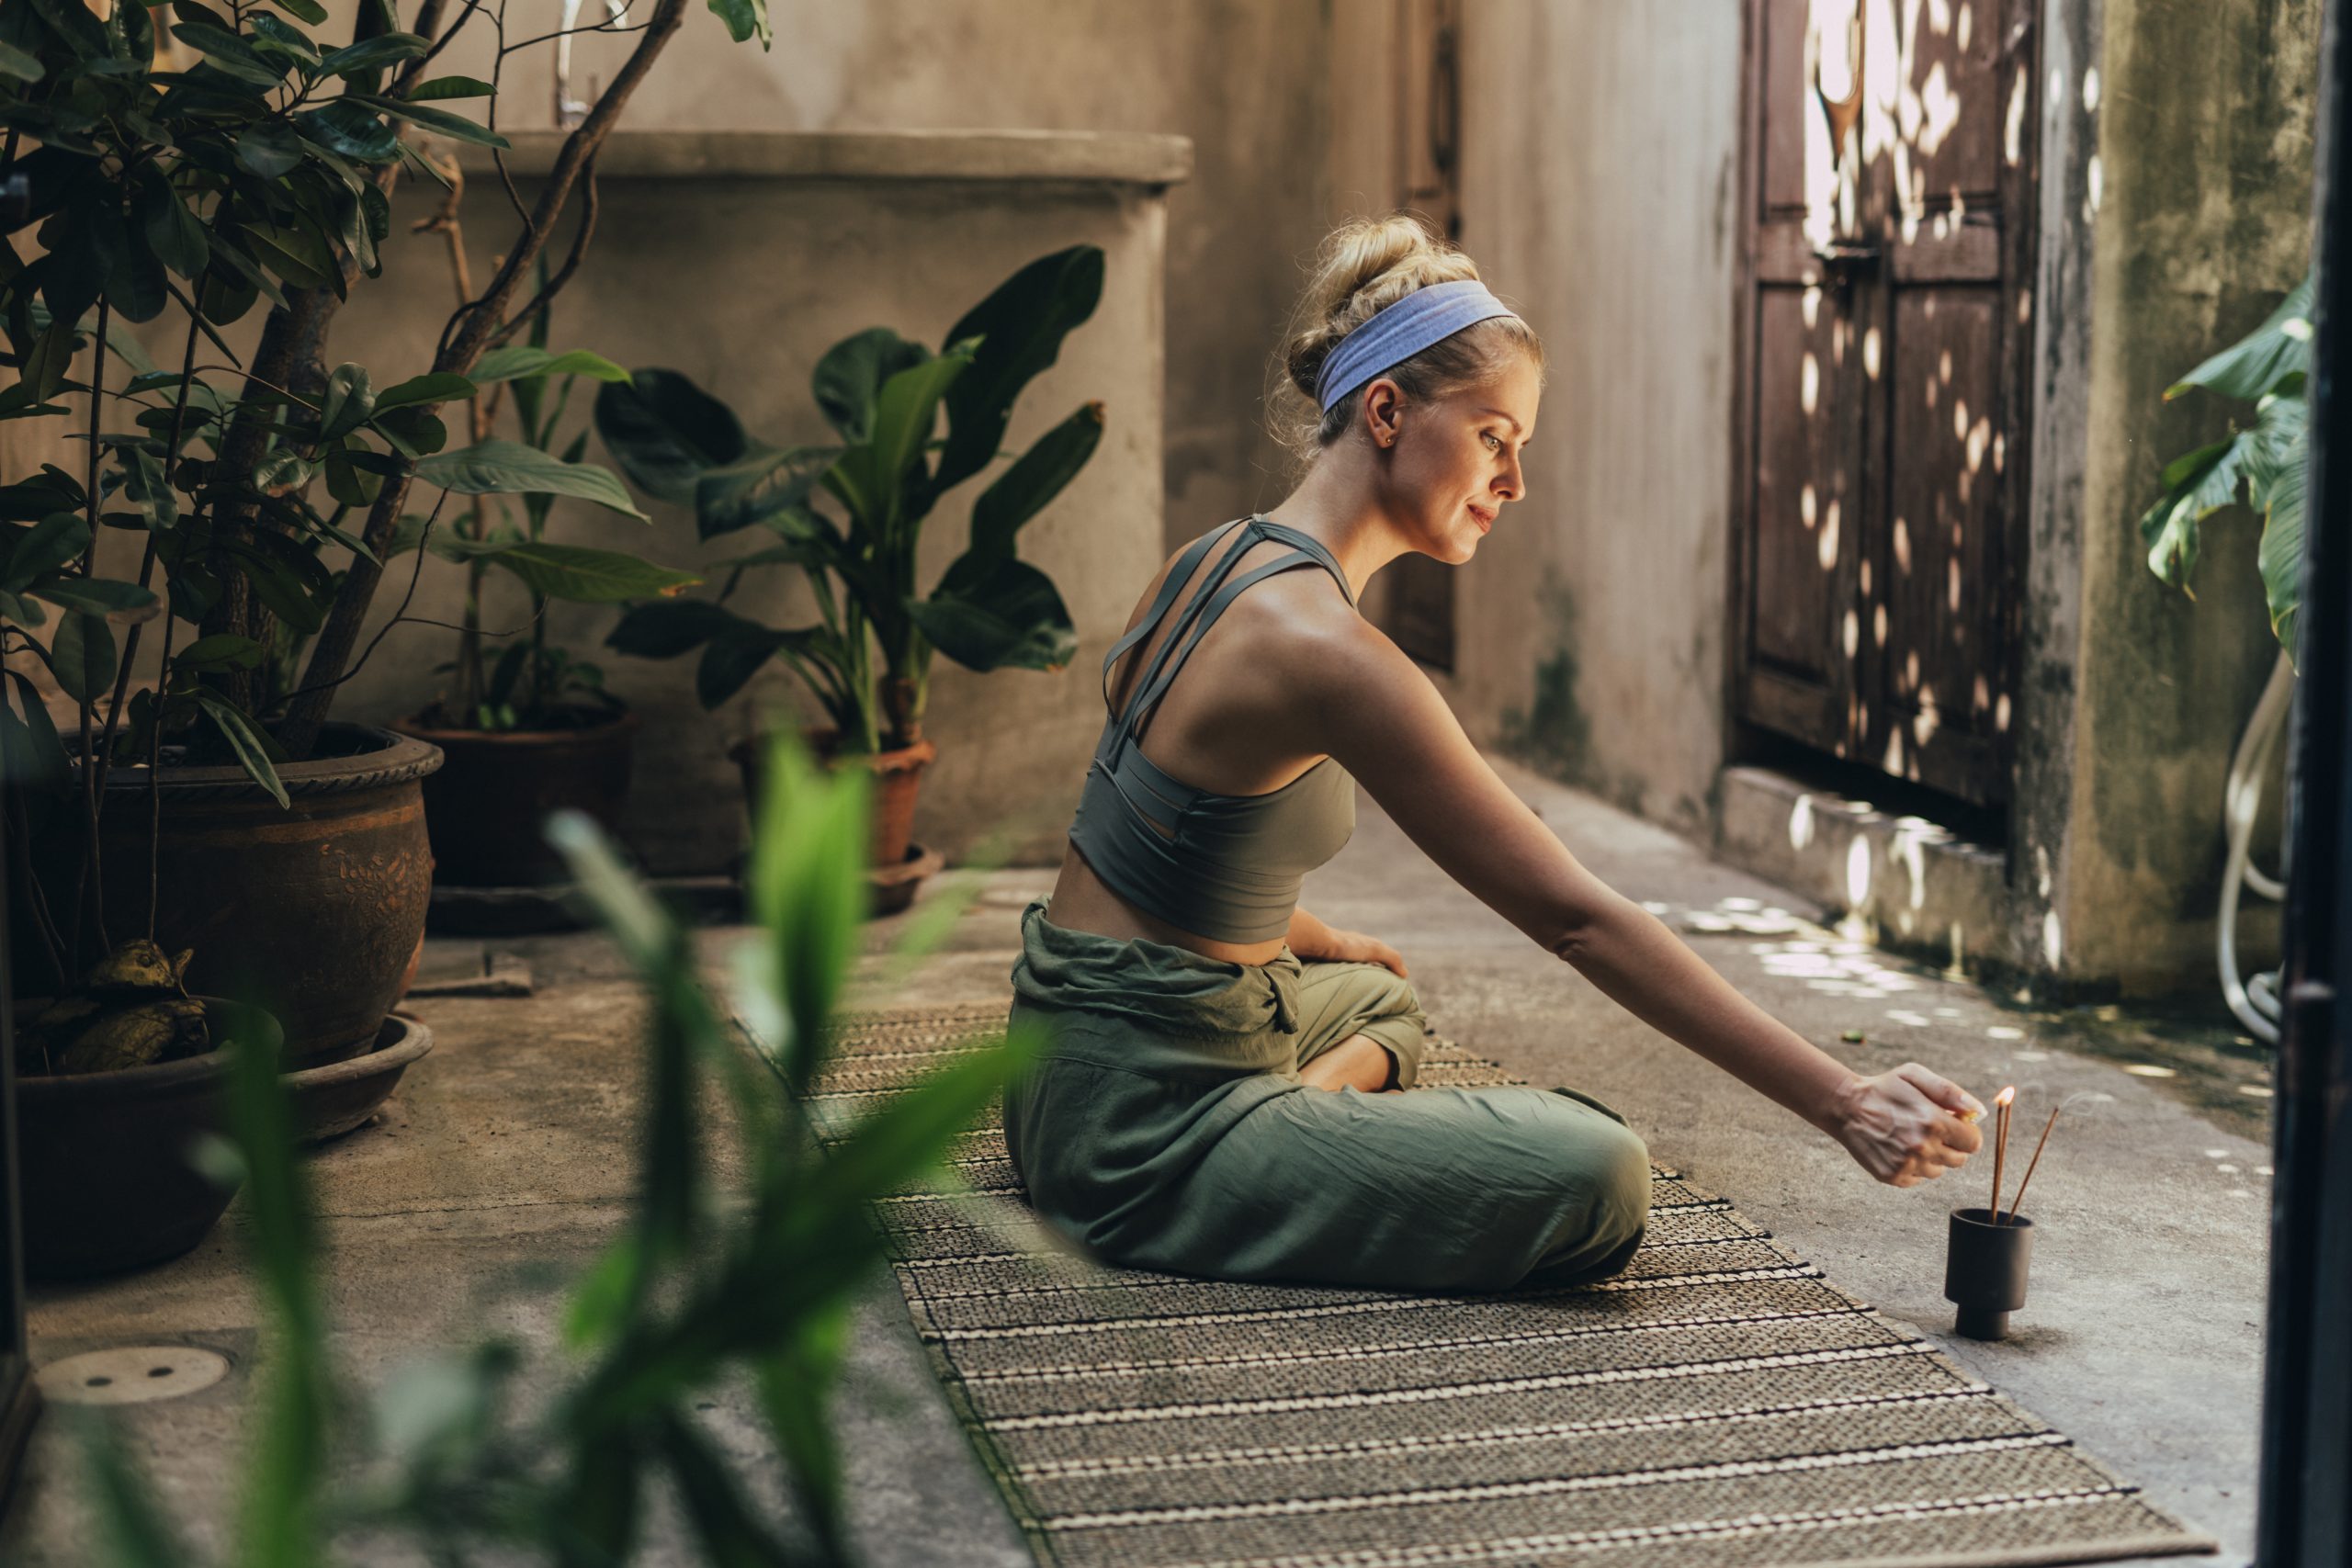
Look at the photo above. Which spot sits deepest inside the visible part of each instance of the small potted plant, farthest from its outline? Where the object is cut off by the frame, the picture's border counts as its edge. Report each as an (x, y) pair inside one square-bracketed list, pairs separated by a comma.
[(867, 659), (531, 729)]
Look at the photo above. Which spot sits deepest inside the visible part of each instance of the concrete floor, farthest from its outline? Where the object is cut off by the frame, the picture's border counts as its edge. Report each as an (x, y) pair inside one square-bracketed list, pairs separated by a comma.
[(505, 1162)]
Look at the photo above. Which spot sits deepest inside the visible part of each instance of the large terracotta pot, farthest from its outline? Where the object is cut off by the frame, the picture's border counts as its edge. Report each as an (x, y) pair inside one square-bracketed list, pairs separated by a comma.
[(312, 912), (108, 1178), (898, 776), (488, 807)]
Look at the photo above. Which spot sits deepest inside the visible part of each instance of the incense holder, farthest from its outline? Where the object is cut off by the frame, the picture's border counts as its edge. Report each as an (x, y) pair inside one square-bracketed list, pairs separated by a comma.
[(1984, 1267)]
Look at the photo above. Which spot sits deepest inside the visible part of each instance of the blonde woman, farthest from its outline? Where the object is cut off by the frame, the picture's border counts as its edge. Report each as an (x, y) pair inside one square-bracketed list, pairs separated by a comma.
[(1230, 1090)]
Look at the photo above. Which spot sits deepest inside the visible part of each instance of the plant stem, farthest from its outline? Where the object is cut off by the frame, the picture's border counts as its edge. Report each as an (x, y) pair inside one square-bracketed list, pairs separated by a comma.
[(91, 881)]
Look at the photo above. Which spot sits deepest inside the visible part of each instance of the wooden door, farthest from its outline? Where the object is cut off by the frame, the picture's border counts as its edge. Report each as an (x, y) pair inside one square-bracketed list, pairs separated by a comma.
[(1884, 392)]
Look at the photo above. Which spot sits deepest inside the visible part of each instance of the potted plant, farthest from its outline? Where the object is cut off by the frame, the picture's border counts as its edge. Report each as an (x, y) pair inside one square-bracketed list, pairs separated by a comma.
[(532, 730), (210, 823), (867, 659)]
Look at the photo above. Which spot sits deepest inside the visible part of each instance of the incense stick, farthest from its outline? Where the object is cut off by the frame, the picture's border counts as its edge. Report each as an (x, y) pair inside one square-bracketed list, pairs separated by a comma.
[(2019, 1197), (2001, 1102)]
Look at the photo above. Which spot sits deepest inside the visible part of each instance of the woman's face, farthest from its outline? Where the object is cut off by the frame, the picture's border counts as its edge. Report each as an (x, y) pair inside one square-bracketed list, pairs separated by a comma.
[(1455, 463)]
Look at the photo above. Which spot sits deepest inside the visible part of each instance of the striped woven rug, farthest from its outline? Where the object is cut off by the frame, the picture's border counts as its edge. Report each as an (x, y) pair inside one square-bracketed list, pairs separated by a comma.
[(1719, 1403)]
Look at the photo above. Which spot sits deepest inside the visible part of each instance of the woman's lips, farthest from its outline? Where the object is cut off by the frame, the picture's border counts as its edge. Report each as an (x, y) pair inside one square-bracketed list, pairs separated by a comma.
[(1486, 519)]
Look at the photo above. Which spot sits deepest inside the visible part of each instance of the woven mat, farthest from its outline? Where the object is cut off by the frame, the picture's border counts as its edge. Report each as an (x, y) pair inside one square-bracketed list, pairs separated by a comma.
[(1719, 1403)]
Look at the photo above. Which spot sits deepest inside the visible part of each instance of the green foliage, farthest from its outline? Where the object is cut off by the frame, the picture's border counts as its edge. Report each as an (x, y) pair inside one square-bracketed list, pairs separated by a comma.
[(2267, 462), (867, 658), (699, 1288)]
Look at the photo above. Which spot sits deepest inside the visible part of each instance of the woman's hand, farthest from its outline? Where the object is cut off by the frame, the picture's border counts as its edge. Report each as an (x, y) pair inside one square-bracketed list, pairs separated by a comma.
[(1907, 1126), (1354, 947)]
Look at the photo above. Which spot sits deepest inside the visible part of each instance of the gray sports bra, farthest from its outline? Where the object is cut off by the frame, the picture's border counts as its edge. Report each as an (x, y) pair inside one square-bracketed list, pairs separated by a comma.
[(1227, 867)]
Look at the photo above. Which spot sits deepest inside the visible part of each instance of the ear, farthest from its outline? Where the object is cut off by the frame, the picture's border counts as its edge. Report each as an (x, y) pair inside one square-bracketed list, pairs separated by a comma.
[(1383, 407)]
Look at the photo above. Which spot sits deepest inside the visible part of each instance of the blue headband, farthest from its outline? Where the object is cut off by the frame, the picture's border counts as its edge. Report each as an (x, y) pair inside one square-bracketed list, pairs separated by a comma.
[(1401, 331)]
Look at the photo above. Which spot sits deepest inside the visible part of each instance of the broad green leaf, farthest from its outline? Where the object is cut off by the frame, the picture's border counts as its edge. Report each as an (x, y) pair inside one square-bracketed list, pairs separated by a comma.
[(248, 744), (2196, 484), (664, 432), (433, 387), (1021, 326), (744, 18), (373, 53), (732, 656), (47, 545), (764, 484), (348, 403), (499, 467), (669, 627), (515, 360), (352, 130), (221, 650), (867, 479), (270, 148), (851, 376), (85, 655), (14, 62), (993, 611), (449, 87), (36, 753), (231, 52), (1035, 478), (2280, 346), (456, 127), (298, 255), (723, 1517), (95, 595), (581, 576)]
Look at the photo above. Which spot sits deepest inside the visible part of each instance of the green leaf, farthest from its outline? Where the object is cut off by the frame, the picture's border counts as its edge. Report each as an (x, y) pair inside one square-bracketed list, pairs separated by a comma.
[(456, 127), (991, 612), (665, 432), (351, 130), (723, 1517), (310, 11), (229, 52), (1021, 326), (221, 650), (851, 375), (34, 753), (2277, 479), (298, 255), (410, 431), (867, 478), (2280, 346), (270, 148), (14, 62), (347, 403), (2196, 484), (516, 360), (1039, 475), (668, 628), (806, 883), (85, 655), (274, 38), (449, 87), (731, 658), (173, 232), (246, 741), (769, 483), (95, 595), (743, 19), (583, 576), (508, 468), (434, 386), (373, 53), (58, 539)]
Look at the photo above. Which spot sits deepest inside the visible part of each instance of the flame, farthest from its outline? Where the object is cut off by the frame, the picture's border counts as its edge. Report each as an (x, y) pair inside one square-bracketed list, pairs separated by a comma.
[(2006, 1096)]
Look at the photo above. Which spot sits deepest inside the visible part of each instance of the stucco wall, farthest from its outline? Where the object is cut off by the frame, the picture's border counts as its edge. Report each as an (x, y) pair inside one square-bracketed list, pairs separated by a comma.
[(1244, 79), (2199, 204), (1599, 160)]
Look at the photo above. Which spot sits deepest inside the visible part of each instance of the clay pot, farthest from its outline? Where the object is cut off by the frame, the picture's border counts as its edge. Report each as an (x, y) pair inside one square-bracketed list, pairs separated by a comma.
[(897, 777), (488, 807), (330, 1100), (105, 1159), (311, 912), (1984, 1269)]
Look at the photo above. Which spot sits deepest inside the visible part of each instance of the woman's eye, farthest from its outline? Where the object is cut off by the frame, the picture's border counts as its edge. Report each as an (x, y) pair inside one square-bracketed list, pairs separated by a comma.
[(1489, 435)]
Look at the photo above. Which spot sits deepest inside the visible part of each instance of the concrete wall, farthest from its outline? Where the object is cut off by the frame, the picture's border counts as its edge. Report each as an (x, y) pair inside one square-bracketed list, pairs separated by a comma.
[(1246, 80), (1599, 164), (2192, 181)]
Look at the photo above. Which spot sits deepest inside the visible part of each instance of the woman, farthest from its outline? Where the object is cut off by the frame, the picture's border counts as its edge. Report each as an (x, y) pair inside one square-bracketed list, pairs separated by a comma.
[(1229, 1087)]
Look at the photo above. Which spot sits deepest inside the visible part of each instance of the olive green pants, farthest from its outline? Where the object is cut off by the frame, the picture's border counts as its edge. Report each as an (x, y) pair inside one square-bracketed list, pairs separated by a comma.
[(1165, 1127)]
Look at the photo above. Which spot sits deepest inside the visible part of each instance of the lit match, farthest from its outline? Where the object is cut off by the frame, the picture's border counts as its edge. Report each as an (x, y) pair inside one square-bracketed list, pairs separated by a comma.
[(2001, 1103)]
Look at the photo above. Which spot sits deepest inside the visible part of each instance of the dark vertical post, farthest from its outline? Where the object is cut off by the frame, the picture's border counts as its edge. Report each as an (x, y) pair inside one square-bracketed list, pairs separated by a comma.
[(2307, 1374)]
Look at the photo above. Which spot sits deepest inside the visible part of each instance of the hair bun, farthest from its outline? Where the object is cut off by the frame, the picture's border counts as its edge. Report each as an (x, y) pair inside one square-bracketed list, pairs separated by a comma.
[(1361, 267)]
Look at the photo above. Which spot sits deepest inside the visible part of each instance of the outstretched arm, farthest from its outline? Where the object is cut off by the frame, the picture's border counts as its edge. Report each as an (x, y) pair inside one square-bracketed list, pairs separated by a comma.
[(1379, 715), (1310, 938)]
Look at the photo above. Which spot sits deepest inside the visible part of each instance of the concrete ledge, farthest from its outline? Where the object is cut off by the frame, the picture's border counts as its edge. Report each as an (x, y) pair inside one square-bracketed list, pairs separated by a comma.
[(1920, 888), (1114, 157)]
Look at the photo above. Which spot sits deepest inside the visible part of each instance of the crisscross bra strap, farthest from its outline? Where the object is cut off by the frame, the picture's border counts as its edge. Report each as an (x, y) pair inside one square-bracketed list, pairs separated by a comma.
[(1199, 614), (1178, 575)]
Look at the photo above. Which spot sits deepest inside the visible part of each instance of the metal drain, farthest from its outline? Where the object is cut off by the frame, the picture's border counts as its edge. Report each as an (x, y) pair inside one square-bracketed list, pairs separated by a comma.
[(131, 1374)]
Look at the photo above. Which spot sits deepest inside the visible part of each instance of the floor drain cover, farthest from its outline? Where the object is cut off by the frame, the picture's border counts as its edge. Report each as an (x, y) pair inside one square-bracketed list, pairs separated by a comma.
[(131, 1374)]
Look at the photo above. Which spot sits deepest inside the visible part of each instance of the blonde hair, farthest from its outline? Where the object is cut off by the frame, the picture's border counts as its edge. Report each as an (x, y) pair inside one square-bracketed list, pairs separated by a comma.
[(1362, 266)]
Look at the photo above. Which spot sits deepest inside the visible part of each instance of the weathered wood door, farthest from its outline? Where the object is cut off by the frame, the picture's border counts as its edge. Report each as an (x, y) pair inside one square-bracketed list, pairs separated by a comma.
[(1883, 395)]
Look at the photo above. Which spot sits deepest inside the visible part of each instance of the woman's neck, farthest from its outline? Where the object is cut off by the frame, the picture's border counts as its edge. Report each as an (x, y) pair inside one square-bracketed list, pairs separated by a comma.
[(1338, 505)]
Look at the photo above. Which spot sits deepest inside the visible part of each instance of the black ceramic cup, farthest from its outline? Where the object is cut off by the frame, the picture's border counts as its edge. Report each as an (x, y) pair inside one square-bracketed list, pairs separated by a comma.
[(1984, 1270)]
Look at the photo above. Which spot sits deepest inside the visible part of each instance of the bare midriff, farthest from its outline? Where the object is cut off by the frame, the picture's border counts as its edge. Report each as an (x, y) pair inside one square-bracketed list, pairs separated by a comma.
[(1081, 903)]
